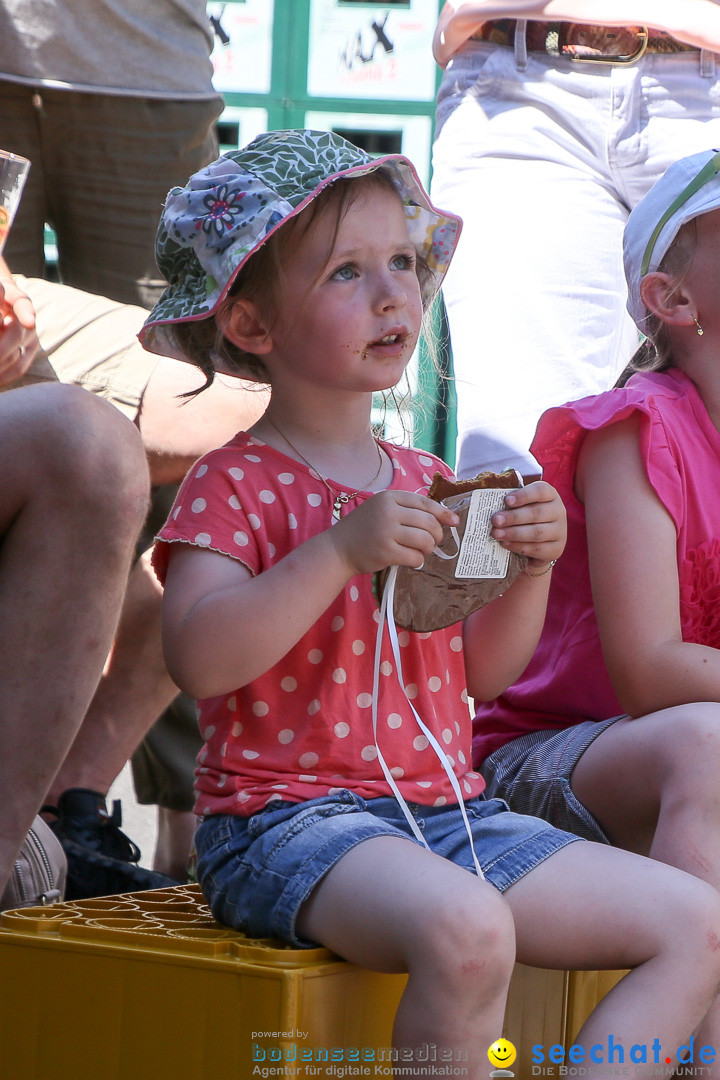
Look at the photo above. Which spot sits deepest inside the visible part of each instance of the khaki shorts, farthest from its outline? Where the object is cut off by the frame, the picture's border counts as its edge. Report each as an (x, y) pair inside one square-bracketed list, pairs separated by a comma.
[(163, 766), (90, 341)]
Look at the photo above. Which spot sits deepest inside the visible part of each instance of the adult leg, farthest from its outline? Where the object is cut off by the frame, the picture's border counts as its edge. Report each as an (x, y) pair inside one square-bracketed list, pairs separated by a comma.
[(163, 768), (105, 205), (390, 905), (536, 313), (591, 906), (175, 833), (72, 501), (92, 341), (177, 430), (567, 150), (134, 689)]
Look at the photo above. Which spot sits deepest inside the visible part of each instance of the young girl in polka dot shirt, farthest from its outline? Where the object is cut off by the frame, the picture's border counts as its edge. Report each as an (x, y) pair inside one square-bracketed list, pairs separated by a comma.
[(301, 262)]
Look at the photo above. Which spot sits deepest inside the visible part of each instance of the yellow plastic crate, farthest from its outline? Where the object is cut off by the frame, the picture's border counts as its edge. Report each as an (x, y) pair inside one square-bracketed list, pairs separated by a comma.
[(535, 1013), (548, 1008), (149, 985)]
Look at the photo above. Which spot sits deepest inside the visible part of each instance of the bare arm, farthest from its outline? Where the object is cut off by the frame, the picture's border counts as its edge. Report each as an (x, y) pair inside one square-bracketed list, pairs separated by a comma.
[(634, 575), (222, 628), (696, 22), (500, 638)]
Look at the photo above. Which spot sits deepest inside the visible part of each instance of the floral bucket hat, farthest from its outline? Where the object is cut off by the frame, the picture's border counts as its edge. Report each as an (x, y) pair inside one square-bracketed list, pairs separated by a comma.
[(212, 226)]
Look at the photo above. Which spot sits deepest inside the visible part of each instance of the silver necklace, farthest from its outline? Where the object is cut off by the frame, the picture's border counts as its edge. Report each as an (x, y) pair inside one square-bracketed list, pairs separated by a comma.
[(341, 498)]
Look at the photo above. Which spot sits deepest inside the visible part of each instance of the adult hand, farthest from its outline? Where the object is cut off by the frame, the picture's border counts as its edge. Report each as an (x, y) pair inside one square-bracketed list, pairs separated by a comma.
[(18, 339)]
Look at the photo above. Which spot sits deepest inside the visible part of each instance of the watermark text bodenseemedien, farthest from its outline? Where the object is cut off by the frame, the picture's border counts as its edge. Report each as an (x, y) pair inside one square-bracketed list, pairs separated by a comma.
[(426, 1054)]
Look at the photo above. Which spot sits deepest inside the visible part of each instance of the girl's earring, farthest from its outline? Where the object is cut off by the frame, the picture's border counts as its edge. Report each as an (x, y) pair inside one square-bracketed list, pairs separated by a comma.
[(698, 327)]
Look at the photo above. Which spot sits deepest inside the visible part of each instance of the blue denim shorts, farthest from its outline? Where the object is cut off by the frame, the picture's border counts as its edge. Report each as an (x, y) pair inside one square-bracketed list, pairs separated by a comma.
[(532, 773), (256, 872)]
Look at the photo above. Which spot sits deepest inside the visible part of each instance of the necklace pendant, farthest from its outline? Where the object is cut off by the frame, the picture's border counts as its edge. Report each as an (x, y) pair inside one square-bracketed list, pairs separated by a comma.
[(340, 500)]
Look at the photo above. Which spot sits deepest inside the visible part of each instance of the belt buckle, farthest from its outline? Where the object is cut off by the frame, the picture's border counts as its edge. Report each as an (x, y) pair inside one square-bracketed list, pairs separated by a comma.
[(602, 58)]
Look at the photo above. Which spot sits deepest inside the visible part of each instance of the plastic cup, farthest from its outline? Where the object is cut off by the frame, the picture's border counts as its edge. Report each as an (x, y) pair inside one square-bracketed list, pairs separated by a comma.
[(13, 174)]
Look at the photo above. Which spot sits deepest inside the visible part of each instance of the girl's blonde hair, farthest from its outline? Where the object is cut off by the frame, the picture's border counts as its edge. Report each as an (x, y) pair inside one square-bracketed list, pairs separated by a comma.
[(261, 281), (655, 353)]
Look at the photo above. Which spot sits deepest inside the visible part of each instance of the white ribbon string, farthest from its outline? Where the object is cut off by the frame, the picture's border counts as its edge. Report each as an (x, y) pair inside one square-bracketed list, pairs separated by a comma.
[(441, 554), (387, 618)]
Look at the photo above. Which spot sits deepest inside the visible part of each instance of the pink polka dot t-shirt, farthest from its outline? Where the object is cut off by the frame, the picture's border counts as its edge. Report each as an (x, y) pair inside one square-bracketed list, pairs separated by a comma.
[(304, 728)]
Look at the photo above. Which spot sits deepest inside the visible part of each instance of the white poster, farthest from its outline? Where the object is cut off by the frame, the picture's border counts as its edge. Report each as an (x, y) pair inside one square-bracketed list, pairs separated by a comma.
[(369, 50), (242, 57)]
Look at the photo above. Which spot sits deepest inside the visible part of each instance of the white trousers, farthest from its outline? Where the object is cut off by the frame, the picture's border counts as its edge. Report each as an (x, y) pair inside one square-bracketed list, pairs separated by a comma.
[(543, 162)]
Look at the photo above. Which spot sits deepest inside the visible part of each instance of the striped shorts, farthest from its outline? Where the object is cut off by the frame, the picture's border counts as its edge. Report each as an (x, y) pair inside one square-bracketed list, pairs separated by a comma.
[(532, 773)]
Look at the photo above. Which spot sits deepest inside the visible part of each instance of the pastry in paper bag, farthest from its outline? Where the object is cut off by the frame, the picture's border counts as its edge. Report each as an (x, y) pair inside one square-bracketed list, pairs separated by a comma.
[(469, 569)]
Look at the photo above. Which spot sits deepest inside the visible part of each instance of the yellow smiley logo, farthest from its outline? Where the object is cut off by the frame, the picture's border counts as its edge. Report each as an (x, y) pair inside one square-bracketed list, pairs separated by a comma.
[(502, 1053)]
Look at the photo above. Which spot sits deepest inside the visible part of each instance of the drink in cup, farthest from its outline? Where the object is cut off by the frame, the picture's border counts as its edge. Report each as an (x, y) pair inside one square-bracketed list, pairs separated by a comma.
[(13, 173)]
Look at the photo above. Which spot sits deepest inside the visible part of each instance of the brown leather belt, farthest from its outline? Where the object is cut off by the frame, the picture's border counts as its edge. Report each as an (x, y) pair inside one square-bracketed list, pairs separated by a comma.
[(589, 44)]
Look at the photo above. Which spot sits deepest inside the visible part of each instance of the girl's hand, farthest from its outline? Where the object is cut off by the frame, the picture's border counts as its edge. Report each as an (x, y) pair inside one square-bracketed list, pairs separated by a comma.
[(534, 524), (392, 528)]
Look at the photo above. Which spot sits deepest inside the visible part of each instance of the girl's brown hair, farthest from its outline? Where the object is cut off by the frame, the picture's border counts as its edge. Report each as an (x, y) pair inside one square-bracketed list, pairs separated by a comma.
[(655, 353)]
